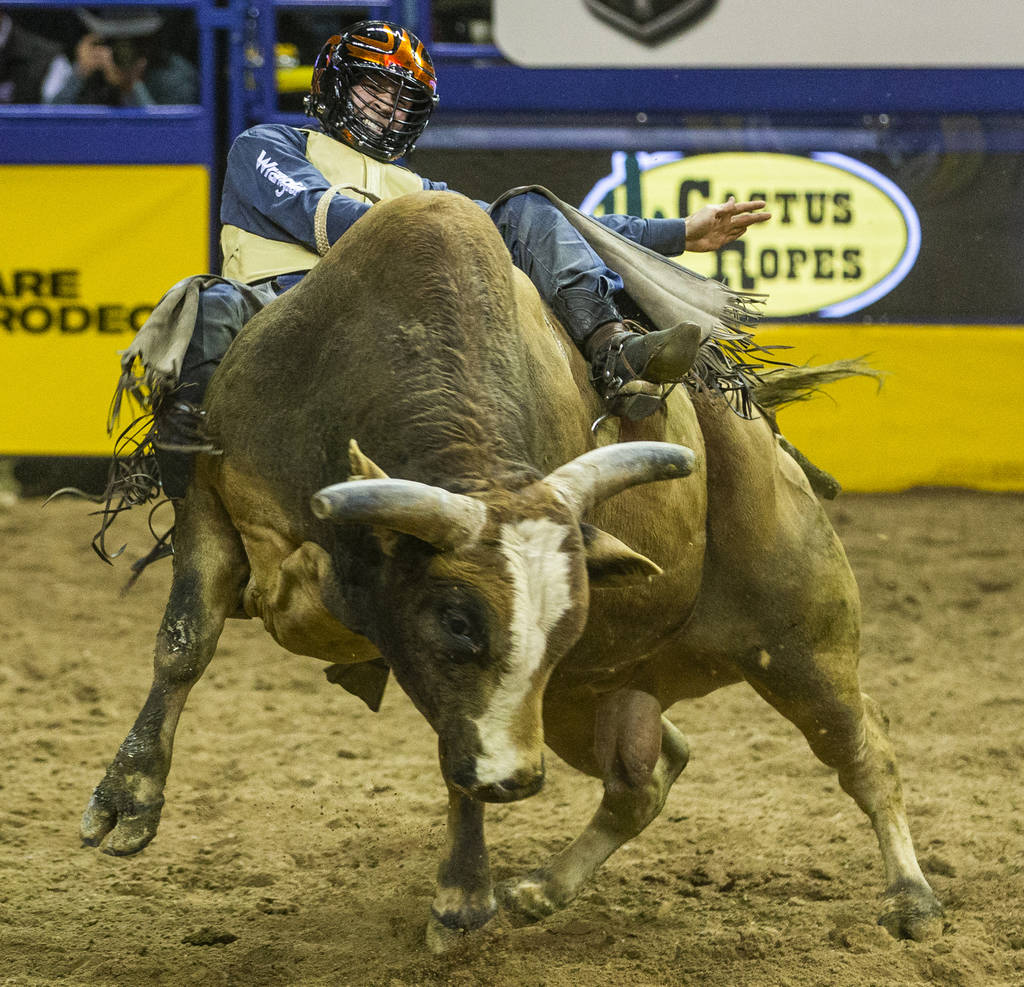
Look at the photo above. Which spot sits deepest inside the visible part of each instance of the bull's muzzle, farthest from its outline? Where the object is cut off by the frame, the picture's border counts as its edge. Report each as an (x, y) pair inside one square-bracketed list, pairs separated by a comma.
[(518, 784)]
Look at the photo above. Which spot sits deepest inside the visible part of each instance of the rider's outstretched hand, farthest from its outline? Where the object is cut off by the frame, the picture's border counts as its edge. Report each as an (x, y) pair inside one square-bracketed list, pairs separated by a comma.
[(712, 227)]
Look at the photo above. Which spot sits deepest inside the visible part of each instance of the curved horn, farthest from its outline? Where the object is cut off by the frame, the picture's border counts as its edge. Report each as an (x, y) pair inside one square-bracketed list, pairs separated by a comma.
[(432, 514), (601, 473)]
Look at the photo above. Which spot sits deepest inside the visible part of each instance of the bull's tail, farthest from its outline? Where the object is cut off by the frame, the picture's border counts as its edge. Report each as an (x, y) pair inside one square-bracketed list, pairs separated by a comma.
[(776, 388)]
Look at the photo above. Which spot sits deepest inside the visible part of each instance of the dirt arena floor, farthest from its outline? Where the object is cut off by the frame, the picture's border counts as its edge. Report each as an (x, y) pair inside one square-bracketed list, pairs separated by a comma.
[(301, 832)]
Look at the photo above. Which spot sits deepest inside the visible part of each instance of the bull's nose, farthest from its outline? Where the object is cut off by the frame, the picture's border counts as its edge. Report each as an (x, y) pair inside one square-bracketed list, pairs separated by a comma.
[(463, 775), (521, 785)]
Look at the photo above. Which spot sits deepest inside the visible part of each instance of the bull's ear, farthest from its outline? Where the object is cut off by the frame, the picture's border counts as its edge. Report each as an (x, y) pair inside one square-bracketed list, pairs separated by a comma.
[(365, 680), (360, 466), (610, 562)]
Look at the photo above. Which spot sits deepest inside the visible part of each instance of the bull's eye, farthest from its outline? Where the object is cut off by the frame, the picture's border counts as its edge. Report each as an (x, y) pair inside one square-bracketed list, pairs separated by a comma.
[(463, 637)]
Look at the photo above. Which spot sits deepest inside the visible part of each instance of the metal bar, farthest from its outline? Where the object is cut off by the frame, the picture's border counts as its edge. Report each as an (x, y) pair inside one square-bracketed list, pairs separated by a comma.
[(379, 6), (59, 4), (995, 135), (464, 51), (807, 91)]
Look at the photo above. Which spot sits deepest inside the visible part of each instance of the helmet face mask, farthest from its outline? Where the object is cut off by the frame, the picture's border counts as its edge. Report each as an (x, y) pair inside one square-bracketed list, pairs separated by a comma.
[(374, 89)]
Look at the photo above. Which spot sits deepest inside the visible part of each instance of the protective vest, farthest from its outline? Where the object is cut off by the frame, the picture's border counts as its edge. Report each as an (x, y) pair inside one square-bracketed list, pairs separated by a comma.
[(250, 258)]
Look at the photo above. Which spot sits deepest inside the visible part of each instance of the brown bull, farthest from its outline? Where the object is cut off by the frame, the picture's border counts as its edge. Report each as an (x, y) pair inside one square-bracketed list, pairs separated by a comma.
[(494, 576)]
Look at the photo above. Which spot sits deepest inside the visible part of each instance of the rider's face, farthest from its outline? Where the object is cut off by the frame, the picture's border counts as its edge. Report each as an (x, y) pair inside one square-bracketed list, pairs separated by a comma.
[(377, 101)]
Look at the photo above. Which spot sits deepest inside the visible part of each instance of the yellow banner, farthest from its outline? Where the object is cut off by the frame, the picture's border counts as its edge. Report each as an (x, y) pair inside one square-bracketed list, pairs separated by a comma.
[(86, 252), (947, 414)]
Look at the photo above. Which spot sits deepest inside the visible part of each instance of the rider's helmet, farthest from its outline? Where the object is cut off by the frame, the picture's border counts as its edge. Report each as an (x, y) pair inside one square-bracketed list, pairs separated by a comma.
[(374, 89)]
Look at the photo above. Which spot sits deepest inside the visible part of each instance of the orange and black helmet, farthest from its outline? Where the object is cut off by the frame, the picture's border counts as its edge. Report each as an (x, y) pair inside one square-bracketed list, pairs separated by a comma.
[(374, 89)]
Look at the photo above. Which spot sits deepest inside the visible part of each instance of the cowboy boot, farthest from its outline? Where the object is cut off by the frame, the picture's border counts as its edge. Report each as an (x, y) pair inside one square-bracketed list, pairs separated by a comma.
[(178, 436), (624, 363)]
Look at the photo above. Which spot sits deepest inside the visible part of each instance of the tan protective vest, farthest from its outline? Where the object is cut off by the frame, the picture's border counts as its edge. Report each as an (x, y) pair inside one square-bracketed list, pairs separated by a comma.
[(251, 258)]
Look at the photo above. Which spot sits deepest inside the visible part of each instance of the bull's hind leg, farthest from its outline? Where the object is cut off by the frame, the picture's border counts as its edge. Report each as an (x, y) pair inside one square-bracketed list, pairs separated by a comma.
[(847, 731), (209, 570), (624, 740)]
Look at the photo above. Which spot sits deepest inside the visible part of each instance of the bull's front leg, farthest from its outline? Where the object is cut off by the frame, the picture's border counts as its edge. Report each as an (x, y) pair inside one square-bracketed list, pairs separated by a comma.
[(124, 810), (465, 898), (639, 753)]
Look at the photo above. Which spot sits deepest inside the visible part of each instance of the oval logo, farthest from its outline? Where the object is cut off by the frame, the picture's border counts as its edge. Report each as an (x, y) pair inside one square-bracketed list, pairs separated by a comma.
[(841, 236)]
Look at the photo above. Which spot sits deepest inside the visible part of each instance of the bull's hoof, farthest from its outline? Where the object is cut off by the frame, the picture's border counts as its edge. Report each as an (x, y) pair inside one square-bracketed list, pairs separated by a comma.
[(912, 914), (529, 899), (97, 820), (440, 937), (450, 923), (454, 913), (125, 833)]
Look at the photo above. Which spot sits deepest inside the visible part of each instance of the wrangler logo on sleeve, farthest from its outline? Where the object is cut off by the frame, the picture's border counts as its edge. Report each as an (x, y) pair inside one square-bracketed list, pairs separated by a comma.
[(269, 169)]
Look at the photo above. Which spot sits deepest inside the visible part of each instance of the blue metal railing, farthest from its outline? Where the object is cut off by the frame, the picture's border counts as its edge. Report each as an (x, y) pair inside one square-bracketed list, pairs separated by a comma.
[(89, 134), (488, 103)]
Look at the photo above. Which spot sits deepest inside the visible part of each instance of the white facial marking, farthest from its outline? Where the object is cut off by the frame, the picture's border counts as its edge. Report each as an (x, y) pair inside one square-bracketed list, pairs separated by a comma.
[(540, 596)]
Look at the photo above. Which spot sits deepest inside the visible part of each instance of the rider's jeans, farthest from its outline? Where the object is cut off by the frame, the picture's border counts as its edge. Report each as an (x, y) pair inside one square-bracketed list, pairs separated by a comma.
[(563, 267)]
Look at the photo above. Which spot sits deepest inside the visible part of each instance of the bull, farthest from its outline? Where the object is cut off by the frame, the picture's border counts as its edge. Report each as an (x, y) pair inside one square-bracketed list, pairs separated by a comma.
[(500, 558)]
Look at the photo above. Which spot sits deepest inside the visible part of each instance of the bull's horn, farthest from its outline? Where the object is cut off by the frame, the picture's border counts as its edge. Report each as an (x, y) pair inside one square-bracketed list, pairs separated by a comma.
[(432, 514), (601, 473)]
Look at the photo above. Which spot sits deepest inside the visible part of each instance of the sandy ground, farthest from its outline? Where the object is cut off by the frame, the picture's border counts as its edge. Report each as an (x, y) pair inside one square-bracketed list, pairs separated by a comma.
[(301, 832)]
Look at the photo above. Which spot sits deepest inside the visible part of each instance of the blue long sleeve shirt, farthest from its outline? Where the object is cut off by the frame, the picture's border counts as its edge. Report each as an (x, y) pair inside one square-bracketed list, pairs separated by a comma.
[(272, 190)]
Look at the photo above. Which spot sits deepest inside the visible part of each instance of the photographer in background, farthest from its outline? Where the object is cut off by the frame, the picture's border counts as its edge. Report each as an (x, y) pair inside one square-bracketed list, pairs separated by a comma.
[(121, 61), (33, 69)]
